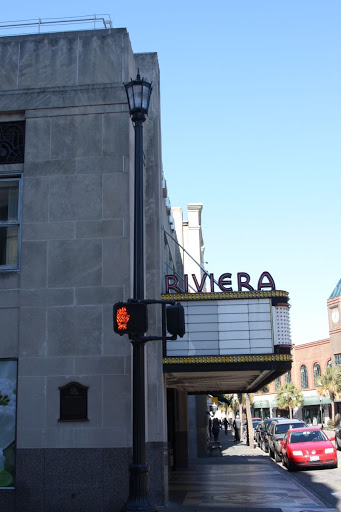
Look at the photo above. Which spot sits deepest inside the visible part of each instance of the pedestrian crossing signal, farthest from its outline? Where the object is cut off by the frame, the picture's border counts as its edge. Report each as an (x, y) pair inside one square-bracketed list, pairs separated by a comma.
[(130, 318), (175, 319)]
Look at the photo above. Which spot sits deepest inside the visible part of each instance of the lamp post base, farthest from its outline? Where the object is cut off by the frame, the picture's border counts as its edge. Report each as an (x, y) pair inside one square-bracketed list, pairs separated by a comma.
[(138, 499)]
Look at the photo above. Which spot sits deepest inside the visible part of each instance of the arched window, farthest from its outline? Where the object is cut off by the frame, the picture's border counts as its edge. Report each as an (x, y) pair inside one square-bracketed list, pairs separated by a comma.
[(317, 373), (329, 363), (277, 383), (287, 377), (304, 377), (337, 359)]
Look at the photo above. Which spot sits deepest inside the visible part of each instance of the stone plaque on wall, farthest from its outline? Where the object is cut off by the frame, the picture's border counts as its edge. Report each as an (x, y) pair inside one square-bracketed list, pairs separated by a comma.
[(73, 402)]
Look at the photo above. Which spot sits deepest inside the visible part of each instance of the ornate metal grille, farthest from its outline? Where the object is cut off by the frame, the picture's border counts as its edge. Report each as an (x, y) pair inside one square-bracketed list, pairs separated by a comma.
[(12, 142)]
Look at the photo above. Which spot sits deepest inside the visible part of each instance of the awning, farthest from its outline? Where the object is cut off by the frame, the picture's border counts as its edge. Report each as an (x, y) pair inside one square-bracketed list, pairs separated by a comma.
[(261, 404), (315, 400)]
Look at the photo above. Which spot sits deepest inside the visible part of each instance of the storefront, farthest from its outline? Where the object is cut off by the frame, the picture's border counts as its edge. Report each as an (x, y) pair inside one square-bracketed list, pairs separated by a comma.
[(261, 409), (316, 410)]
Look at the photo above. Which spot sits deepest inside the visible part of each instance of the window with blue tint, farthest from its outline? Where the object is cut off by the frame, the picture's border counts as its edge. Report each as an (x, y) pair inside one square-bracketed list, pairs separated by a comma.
[(304, 377), (317, 373), (277, 383), (287, 377)]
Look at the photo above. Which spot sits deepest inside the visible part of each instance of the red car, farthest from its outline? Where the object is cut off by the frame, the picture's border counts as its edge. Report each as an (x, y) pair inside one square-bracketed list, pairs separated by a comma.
[(308, 447)]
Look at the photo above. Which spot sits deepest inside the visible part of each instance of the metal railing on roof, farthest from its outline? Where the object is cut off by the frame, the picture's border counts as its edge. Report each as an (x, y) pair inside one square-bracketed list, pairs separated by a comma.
[(94, 21)]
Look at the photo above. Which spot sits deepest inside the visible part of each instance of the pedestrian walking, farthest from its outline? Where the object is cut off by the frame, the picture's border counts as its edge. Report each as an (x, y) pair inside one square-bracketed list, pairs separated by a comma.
[(225, 425), (236, 427), (215, 429)]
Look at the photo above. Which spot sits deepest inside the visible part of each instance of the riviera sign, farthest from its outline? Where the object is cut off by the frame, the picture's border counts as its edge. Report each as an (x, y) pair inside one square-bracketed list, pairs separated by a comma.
[(224, 282)]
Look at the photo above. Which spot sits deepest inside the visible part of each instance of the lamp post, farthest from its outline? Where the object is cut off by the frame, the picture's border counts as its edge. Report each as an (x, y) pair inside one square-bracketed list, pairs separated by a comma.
[(138, 94), (261, 410), (321, 412)]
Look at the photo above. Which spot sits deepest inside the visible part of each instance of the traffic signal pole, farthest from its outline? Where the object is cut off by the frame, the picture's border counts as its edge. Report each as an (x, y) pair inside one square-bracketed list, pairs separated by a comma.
[(138, 499), (138, 95), (139, 436)]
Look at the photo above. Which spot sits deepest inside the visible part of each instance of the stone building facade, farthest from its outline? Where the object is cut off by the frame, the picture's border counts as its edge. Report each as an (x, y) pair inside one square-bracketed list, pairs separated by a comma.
[(66, 256)]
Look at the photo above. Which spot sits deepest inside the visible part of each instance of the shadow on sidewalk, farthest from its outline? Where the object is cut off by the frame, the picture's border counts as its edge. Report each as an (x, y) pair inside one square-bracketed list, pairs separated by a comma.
[(242, 479), (229, 448)]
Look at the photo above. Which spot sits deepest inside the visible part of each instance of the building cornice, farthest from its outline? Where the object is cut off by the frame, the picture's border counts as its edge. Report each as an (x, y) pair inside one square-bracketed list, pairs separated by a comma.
[(335, 331), (311, 344), (333, 302)]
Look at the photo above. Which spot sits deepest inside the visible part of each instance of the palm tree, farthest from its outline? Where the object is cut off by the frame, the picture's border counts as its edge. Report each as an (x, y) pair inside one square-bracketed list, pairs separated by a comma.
[(288, 397), (329, 384)]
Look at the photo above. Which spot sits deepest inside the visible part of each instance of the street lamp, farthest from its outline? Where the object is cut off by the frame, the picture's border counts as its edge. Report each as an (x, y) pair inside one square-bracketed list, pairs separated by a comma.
[(321, 412), (138, 94)]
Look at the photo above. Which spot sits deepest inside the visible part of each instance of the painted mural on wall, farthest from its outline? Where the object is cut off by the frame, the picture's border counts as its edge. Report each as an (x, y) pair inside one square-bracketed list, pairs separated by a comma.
[(8, 384)]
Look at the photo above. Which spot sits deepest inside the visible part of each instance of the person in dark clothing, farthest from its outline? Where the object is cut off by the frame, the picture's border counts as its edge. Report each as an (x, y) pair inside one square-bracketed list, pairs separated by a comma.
[(225, 425), (215, 429), (236, 427)]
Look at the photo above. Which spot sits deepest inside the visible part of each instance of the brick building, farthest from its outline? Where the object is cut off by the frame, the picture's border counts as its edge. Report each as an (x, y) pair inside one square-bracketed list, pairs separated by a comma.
[(309, 362)]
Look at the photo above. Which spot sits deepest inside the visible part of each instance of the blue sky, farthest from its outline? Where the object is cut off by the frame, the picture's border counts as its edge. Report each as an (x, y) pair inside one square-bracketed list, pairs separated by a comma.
[(251, 128)]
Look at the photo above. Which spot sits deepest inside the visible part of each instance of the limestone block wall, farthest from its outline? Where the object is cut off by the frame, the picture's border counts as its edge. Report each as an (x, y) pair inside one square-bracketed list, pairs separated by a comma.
[(76, 262)]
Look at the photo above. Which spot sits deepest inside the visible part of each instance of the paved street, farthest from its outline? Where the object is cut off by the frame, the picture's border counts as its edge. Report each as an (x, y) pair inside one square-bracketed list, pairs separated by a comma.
[(245, 479)]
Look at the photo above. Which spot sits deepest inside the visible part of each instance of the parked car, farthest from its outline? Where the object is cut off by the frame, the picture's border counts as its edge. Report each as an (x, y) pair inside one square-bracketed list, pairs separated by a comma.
[(262, 433), (277, 431), (306, 447), (338, 438)]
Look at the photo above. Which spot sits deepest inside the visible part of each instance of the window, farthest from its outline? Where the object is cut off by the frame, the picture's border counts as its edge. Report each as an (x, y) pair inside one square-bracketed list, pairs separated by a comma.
[(277, 383), (337, 359), (287, 377), (329, 363), (304, 377), (317, 373), (12, 142), (281, 428), (9, 222)]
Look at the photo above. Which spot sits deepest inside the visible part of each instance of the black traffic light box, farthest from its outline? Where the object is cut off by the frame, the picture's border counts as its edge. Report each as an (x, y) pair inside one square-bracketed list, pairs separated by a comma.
[(175, 319), (130, 318)]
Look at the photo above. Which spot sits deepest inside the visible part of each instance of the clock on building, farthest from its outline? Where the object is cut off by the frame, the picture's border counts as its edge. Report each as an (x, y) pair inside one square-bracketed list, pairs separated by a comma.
[(335, 315), (334, 306)]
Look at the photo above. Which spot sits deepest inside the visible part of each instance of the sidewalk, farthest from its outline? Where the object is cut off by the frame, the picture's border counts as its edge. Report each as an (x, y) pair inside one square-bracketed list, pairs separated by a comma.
[(243, 479)]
